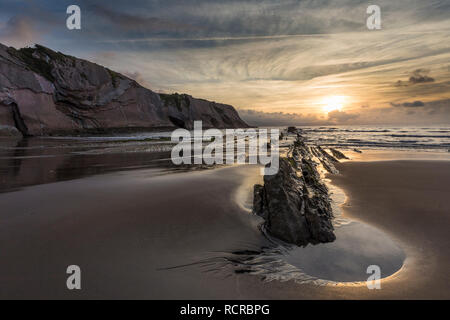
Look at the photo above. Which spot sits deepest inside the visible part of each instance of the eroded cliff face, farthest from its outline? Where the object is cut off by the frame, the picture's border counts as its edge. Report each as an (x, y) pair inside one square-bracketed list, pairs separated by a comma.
[(43, 92)]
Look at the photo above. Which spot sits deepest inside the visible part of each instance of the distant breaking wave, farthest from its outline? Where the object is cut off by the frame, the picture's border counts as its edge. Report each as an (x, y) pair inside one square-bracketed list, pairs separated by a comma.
[(425, 138), (416, 136)]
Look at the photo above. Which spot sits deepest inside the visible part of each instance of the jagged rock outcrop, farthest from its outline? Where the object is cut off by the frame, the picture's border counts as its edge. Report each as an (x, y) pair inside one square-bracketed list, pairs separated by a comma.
[(337, 154), (45, 92), (296, 208), (294, 203), (292, 130), (9, 131)]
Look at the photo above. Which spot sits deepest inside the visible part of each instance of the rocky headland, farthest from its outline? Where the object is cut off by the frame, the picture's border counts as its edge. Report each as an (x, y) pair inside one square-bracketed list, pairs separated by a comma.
[(43, 92)]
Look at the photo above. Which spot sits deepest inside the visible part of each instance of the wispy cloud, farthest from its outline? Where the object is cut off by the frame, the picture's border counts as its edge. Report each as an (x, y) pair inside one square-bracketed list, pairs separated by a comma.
[(277, 58), (19, 31)]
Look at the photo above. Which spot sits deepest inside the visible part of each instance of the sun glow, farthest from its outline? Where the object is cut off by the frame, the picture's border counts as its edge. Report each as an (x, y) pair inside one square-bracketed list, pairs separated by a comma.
[(333, 103)]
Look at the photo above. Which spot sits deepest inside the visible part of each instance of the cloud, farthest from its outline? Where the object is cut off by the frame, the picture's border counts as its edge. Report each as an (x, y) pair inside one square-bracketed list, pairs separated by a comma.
[(418, 76), (439, 107), (442, 105), (19, 31), (341, 116), (415, 104), (418, 112), (433, 112), (141, 23), (264, 17), (260, 118), (138, 77)]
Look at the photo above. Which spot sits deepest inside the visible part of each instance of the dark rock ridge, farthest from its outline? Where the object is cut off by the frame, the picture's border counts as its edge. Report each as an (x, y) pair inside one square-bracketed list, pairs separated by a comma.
[(294, 203), (337, 154), (43, 92)]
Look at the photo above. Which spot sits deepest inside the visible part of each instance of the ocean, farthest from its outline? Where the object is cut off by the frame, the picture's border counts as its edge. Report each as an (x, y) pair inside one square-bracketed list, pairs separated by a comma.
[(421, 138), (364, 137), (47, 159)]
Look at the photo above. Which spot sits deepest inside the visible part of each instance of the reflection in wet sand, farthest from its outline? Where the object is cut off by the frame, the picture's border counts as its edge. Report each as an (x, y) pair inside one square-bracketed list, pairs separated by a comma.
[(33, 161)]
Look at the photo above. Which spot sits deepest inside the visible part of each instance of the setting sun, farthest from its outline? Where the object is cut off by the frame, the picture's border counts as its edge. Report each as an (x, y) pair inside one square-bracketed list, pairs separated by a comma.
[(333, 103)]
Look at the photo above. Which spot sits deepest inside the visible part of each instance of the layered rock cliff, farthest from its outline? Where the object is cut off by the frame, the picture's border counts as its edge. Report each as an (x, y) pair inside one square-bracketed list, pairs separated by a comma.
[(43, 92)]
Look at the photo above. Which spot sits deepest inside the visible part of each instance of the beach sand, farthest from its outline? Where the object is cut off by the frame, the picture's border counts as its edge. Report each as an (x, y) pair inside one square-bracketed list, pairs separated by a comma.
[(409, 201), (144, 234)]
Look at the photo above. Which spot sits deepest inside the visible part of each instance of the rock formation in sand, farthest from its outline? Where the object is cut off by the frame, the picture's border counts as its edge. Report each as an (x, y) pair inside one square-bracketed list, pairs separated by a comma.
[(294, 203), (337, 154), (43, 92)]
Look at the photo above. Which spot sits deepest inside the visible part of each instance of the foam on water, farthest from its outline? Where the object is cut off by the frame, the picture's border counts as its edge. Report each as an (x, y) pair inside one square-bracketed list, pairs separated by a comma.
[(429, 138)]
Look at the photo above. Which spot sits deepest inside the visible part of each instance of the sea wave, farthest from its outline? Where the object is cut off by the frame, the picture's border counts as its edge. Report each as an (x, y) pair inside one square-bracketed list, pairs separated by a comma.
[(395, 137)]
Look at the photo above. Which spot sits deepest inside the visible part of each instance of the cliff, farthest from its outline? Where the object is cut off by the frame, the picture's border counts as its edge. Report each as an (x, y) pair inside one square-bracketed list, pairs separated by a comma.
[(43, 92)]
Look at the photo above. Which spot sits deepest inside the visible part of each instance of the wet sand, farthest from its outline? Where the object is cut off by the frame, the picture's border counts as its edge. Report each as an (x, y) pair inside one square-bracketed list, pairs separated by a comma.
[(144, 234), (409, 201), (125, 230)]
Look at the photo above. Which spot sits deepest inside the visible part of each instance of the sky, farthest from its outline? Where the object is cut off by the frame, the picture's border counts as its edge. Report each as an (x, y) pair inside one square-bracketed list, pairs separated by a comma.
[(304, 62)]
